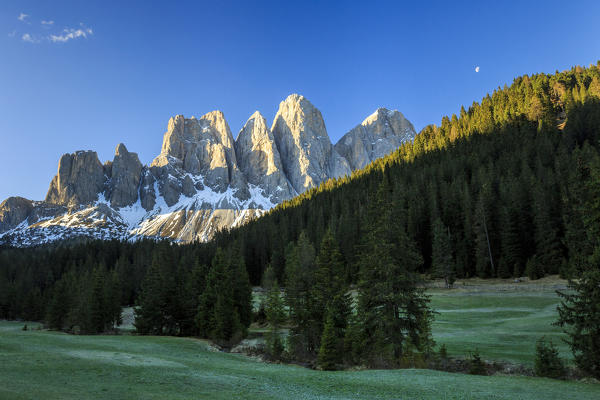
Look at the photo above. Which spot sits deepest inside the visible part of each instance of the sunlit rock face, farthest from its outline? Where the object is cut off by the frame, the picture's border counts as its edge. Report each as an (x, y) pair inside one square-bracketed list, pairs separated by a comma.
[(13, 211), (79, 180), (378, 135), (125, 175), (307, 155), (202, 181), (259, 159)]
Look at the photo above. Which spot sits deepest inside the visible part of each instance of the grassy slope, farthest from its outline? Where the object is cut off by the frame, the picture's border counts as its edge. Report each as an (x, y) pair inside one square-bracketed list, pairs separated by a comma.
[(501, 319), (502, 325), (50, 365)]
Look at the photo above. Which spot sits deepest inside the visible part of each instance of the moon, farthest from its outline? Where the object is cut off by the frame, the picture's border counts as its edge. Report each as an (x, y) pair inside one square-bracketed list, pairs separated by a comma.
[(477, 68)]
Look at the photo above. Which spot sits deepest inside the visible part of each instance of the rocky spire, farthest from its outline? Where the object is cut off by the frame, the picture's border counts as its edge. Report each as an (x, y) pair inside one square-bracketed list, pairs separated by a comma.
[(79, 180), (125, 177), (13, 211), (378, 135), (307, 156), (259, 159), (200, 147)]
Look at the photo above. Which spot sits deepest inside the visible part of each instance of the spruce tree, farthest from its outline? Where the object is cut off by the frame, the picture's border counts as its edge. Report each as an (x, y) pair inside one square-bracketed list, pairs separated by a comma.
[(113, 295), (98, 310), (218, 316), (547, 241), (329, 286), (442, 262), (276, 316), (149, 318), (390, 306), (59, 306), (485, 263), (511, 225), (329, 354), (206, 317), (579, 315), (300, 279), (242, 291), (547, 362)]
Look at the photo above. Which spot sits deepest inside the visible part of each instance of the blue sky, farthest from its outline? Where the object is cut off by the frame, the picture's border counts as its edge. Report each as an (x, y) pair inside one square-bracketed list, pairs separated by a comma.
[(98, 73)]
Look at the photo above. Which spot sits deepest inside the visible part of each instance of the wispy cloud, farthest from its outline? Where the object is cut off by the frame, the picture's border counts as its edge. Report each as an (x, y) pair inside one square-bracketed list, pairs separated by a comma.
[(71, 33), (63, 36), (28, 38)]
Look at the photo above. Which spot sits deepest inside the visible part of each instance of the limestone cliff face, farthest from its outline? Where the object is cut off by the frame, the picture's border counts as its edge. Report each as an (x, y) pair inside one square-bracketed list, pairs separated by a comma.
[(202, 181), (200, 147), (259, 159), (379, 134), (307, 155), (125, 177), (13, 211), (79, 180)]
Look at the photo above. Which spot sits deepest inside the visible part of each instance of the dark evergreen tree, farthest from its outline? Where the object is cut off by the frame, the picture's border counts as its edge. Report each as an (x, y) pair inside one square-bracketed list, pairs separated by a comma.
[(149, 318), (276, 316), (242, 291), (330, 290), (476, 364), (485, 266), (547, 362), (547, 243), (579, 314), (534, 268), (113, 297), (98, 310), (218, 317), (329, 355), (442, 262), (300, 279), (59, 306), (390, 306)]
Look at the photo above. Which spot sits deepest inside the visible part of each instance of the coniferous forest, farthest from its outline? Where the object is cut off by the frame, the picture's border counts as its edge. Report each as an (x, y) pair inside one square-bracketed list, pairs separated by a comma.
[(509, 187)]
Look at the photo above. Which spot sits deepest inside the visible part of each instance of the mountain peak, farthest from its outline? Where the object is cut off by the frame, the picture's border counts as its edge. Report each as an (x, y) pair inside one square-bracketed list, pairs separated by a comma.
[(296, 100), (202, 180), (382, 113), (259, 159), (125, 173), (256, 115), (214, 115), (378, 135), (121, 150), (307, 156), (79, 180)]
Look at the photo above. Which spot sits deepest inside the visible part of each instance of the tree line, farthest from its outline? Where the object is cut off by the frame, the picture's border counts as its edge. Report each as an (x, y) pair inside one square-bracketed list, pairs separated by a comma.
[(383, 321), (508, 187), (499, 191)]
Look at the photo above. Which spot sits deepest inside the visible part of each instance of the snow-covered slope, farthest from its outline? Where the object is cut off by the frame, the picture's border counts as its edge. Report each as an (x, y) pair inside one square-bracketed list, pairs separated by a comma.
[(202, 181)]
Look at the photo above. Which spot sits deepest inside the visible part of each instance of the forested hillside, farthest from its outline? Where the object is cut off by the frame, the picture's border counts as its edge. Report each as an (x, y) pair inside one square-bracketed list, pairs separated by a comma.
[(510, 186), (506, 186)]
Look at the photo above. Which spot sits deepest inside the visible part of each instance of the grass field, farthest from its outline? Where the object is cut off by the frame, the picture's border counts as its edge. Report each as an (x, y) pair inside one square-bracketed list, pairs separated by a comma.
[(501, 325), (501, 319), (50, 365)]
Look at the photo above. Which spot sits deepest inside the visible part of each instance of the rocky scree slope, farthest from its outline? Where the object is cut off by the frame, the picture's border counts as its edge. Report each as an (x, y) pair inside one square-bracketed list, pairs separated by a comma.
[(202, 181)]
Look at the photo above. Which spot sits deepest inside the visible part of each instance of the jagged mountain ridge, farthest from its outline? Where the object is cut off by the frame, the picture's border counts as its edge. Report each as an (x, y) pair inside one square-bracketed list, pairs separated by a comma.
[(202, 181)]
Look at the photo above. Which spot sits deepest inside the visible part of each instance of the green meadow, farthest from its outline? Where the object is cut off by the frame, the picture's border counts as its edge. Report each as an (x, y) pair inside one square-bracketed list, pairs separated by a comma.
[(503, 326), (38, 364)]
